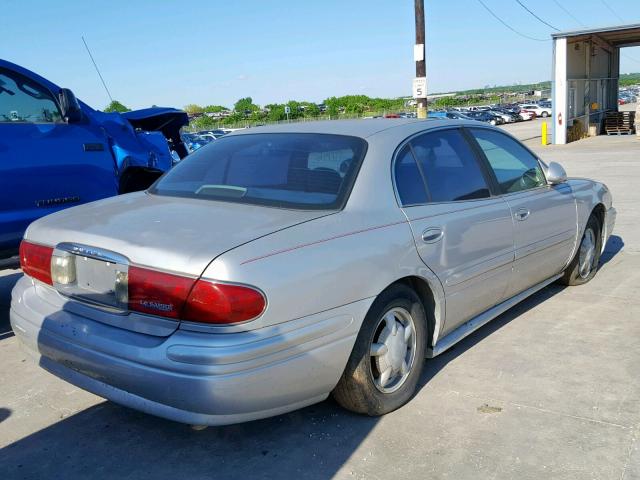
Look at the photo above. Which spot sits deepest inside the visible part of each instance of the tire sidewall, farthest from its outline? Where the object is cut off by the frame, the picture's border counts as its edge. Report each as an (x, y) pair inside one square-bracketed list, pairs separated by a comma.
[(572, 275), (359, 364)]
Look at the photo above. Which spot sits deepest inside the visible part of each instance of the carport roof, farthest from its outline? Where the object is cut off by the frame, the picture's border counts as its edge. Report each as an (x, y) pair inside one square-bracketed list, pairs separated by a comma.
[(616, 36)]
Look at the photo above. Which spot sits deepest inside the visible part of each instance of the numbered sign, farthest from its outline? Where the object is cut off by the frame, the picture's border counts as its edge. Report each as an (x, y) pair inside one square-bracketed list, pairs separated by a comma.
[(420, 87), (287, 109)]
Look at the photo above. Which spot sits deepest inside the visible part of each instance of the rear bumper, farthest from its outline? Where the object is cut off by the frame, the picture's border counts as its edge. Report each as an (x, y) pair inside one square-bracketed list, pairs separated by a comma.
[(191, 377)]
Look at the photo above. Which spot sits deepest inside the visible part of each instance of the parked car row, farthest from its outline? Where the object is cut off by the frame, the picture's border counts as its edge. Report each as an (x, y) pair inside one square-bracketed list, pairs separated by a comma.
[(194, 141), (628, 95), (498, 114)]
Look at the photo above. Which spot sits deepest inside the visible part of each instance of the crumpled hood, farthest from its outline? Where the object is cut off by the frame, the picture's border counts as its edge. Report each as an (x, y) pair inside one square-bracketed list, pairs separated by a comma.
[(177, 234)]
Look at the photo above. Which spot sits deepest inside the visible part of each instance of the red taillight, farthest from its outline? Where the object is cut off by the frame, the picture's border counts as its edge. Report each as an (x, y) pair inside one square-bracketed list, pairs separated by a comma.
[(175, 296), (157, 293), (35, 261), (222, 303)]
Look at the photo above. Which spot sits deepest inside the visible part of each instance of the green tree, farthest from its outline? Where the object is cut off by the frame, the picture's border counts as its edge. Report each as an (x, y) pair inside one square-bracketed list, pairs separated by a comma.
[(193, 109), (214, 109), (310, 109), (245, 105), (275, 112), (203, 123), (116, 106)]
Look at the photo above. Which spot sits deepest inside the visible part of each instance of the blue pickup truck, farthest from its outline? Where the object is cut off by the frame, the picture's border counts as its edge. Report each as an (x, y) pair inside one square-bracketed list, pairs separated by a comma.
[(57, 152)]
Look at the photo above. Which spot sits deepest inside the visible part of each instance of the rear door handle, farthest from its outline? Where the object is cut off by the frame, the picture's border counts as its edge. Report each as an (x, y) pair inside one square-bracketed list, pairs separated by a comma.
[(523, 214), (432, 235)]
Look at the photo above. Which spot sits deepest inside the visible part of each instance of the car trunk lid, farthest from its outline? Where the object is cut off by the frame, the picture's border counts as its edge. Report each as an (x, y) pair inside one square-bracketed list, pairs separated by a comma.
[(162, 233)]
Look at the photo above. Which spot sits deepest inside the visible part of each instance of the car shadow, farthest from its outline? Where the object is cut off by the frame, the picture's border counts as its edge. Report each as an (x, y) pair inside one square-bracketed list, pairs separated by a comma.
[(435, 365), (614, 245), (109, 441)]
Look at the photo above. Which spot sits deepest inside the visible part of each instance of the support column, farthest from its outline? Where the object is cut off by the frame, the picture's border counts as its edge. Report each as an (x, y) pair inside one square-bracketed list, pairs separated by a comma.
[(559, 91)]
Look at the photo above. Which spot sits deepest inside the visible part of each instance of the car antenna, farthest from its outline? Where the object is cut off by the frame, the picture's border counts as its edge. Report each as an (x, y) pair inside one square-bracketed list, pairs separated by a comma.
[(97, 69)]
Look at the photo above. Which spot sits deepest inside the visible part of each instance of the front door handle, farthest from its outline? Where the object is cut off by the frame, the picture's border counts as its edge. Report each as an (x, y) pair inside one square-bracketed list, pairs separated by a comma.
[(523, 214), (432, 235)]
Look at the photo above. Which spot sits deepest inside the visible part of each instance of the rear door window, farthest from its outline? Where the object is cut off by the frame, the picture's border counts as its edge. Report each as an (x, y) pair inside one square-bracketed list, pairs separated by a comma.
[(450, 167), (409, 182)]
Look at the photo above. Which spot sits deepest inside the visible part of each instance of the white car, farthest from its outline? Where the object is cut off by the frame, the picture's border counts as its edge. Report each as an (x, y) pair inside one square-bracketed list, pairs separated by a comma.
[(543, 112), (507, 118), (526, 115)]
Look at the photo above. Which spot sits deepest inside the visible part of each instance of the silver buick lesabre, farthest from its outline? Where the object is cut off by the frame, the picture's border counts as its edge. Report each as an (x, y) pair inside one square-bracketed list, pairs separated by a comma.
[(279, 265)]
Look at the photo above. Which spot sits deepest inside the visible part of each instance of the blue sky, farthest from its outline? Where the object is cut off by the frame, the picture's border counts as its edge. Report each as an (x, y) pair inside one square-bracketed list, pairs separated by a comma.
[(213, 52)]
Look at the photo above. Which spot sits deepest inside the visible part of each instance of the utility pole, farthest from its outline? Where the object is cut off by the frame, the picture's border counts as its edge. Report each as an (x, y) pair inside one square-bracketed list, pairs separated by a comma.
[(420, 82)]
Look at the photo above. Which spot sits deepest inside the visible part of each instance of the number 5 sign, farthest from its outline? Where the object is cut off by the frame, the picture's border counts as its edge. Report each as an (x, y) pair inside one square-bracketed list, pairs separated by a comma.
[(420, 87)]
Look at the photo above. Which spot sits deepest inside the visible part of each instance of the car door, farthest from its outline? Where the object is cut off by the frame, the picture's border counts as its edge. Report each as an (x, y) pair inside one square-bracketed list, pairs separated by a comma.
[(544, 216), (462, 232), (46, 164)]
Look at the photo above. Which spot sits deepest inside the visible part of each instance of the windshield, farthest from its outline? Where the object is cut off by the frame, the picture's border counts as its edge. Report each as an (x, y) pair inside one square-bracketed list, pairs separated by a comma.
[(289, 170)]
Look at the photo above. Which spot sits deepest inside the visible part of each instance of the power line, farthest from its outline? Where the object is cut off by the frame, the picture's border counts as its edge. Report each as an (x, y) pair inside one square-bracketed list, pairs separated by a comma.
[(569, 13), (509, 26), (612, 10), (536, 16)]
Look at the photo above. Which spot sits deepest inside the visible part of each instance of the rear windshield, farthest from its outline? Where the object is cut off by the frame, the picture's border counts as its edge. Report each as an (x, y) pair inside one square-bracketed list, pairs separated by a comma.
[(288, 170)]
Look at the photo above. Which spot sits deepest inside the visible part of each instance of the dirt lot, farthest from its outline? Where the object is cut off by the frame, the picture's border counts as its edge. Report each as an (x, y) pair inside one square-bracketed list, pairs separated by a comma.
[(548, 390)]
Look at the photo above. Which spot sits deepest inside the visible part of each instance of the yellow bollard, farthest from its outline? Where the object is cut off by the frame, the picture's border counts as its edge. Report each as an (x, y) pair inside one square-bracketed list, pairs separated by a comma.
[(544, 133)]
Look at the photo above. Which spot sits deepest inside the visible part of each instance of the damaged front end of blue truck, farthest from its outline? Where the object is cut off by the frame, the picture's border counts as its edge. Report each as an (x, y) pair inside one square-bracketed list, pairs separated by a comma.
[(57, 152)]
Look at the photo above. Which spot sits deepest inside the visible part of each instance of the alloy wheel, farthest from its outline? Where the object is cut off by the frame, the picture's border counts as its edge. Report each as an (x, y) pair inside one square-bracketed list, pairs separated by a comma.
[(393, 349)]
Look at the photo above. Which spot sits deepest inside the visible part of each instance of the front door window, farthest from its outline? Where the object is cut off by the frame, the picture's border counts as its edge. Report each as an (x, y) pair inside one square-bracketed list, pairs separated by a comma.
[(23, 101)]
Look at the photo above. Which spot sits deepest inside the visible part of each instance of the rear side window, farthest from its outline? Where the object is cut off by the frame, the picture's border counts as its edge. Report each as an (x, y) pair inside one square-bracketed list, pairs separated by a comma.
[(288, 170), (450, 167), (409, 183), (516, 169)]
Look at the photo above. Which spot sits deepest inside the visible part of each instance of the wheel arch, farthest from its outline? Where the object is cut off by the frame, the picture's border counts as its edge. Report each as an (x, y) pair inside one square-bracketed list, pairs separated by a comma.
[(134, 177), (432, 299)]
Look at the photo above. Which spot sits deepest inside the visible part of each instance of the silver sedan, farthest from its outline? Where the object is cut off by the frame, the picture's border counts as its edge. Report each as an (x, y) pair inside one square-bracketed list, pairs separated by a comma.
[(279, 265)]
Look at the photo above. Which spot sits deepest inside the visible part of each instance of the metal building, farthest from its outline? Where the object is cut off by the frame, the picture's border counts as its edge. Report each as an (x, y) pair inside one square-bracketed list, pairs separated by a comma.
[(586, 68)]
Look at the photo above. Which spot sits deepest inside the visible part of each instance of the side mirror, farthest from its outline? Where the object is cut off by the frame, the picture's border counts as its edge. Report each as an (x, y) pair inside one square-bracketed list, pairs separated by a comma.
[(556, 174), (71, 110)]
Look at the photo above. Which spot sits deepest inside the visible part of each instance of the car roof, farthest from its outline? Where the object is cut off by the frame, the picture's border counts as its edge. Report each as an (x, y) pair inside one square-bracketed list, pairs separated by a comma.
[(362, 128)]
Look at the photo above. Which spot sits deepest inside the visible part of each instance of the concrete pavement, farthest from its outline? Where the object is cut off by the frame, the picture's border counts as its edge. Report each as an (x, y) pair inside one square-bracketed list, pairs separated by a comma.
[(548, 390)]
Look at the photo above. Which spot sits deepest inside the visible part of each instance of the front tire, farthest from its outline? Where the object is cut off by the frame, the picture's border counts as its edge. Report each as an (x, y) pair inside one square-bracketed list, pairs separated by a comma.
[(544, 115), (387, 358), (584, 265)]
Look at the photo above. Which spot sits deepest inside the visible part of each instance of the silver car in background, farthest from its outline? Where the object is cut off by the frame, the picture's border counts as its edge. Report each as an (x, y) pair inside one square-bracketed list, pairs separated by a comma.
[(279, 265)]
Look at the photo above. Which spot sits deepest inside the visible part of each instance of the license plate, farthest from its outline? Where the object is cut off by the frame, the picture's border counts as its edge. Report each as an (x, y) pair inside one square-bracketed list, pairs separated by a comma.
[(98, 275)]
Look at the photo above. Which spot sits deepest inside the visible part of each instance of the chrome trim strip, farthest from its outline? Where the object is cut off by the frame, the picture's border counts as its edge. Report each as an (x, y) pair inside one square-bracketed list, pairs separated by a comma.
[(93, 252), (475, 323)]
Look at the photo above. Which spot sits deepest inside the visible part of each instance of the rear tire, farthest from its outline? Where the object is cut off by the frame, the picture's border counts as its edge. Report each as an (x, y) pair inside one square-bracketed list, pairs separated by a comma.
[(387, 358), (544, 115), (584, 265)]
